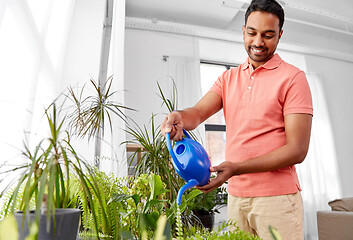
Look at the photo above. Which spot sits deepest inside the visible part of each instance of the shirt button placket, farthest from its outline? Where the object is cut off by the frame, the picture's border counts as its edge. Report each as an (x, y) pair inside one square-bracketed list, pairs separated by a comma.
[(251, 82)]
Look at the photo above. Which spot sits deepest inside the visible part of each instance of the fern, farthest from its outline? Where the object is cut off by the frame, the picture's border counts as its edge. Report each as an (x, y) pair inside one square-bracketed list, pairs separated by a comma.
[(227, 231), (6, 199), (106, 185), (179, 224)]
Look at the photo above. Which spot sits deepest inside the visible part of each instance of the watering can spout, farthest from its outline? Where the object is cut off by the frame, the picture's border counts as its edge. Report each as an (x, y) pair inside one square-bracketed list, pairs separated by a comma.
[(190, 184)]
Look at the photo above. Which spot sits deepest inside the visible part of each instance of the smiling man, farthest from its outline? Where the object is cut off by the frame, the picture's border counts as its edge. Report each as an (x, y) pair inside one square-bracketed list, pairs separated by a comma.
[(268, 112)]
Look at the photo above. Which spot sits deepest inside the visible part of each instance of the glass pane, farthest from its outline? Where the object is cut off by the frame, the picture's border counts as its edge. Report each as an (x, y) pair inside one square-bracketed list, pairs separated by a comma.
[(215, 141), (215, 146), (209, 73)]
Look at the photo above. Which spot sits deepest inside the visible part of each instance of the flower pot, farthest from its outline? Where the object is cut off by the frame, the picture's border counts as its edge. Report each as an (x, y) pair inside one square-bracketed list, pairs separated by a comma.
[(66, 225), (206, 218)]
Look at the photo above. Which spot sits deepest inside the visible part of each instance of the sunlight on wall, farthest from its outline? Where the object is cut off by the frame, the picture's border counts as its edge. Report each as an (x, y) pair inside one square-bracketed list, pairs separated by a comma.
[(32, 41), (17, 61)]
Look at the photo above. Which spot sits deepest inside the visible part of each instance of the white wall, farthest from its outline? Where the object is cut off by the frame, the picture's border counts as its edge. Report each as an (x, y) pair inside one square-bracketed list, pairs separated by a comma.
[(84, 43), (144, 66)]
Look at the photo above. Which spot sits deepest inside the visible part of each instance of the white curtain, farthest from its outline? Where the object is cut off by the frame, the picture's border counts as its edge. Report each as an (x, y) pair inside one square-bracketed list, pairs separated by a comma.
[(185, 72), (318, 174), (45, 47), (33, 37)]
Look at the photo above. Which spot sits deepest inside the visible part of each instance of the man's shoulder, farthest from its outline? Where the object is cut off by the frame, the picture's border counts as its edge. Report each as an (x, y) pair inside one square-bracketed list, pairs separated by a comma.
[(285, 66)]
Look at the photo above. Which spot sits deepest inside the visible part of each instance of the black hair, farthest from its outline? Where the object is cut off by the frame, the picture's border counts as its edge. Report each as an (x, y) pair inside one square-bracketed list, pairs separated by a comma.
[(270, 6)]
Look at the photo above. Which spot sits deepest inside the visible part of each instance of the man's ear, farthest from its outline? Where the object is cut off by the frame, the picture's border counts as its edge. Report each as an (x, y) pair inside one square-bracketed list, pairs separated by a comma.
[(280, 34), (243, 28)]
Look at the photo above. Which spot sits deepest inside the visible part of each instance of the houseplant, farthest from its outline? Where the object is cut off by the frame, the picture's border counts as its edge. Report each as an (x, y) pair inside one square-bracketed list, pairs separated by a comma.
[(45, 177), (206, 205), (155, 157)]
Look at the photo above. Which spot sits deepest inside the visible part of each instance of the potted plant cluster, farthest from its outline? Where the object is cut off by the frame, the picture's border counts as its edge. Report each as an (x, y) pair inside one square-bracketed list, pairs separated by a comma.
[(55, 180), (43, 199), (205, 206)]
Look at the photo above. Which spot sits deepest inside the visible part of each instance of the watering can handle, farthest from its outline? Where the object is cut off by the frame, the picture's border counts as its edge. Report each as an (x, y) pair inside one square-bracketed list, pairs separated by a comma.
[(186, 133), (171, 151)]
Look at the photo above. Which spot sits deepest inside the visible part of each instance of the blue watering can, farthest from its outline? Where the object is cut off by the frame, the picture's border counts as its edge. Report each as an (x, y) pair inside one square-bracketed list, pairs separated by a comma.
[(190, 161)]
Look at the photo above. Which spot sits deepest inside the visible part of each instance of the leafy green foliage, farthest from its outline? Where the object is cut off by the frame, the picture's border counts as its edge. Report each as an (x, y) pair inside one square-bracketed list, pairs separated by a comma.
[(179, 224), (155, 157), (8, 228), (145, 202), (106, 186), (90, 113), (227, 231), (44, 178), (274, 233), (209, 202)]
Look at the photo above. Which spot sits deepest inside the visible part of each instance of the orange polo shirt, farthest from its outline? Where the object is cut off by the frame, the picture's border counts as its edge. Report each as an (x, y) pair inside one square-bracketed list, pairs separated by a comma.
[(254, 104)]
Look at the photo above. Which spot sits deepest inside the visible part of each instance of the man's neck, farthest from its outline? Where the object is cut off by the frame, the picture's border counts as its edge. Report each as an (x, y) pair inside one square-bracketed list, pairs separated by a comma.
[(255, 64)]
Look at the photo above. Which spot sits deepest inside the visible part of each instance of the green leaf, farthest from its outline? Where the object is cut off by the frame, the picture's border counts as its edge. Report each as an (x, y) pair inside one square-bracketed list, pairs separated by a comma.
[(274, 233), (119, 197), (163, 231), (8, 228), (156, 186)]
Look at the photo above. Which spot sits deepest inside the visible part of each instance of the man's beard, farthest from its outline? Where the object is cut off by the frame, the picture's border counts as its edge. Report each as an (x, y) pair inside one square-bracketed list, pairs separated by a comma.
[(264, 57)]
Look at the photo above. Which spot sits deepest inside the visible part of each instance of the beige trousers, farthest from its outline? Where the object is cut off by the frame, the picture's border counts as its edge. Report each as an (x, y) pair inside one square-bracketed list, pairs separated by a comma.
[(256, 214)]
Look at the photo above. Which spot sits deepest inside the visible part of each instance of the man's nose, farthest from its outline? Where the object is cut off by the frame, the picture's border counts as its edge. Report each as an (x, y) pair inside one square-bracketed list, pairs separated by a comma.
[(258, 41)]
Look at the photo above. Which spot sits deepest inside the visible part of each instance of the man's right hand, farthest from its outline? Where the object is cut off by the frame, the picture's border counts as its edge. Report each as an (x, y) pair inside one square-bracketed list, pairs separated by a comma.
[(173, 124)]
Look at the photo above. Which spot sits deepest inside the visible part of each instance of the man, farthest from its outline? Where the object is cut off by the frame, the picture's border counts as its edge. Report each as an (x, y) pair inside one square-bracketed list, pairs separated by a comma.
[(268, 112)]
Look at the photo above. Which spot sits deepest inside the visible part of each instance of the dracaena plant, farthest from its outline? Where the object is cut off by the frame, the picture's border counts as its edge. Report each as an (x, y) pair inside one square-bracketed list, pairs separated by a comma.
[(89, 113), (44, 177)]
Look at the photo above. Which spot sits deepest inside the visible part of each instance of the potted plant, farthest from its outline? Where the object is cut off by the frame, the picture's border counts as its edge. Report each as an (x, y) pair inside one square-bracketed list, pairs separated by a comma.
[(42, 194), (43, 189), (204, 206)]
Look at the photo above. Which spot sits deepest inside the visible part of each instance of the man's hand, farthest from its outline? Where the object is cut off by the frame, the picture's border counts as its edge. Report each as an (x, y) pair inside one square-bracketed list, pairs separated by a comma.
[(190, 118), (173, 124), (224, 171)]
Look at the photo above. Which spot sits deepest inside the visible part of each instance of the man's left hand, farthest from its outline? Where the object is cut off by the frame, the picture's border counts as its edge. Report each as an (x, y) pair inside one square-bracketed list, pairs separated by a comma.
[(224, 171)]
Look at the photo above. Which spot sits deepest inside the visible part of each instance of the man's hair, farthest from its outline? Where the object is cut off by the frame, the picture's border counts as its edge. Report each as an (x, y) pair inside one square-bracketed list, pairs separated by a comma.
[(270, 6)]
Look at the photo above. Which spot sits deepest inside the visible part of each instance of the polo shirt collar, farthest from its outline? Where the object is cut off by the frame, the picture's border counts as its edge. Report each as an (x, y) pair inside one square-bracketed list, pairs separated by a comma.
[(273, 63)]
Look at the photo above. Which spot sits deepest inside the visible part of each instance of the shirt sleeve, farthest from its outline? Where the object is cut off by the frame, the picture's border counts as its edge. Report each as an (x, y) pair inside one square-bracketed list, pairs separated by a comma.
[(298, 97), (219, 84)]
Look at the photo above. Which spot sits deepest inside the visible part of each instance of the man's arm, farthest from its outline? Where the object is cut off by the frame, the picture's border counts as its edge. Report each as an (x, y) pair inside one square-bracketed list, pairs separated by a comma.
[(297, 128), (190, 118)]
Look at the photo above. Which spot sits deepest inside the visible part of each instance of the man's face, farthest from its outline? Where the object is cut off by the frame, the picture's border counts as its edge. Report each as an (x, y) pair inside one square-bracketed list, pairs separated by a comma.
[(261, 35)]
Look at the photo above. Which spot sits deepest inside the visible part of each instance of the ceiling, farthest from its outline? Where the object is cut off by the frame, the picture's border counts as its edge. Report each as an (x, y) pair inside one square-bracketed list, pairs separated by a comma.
[(329, 15)]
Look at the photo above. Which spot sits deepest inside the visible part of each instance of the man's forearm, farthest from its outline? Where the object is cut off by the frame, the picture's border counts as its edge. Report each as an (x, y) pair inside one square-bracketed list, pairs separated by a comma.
[(282, 157), (190, 118)]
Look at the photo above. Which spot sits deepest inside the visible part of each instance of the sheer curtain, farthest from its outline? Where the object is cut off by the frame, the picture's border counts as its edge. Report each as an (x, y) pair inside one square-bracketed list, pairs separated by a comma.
[(33, 38), (318, 174), (185, 72), (45, 47)]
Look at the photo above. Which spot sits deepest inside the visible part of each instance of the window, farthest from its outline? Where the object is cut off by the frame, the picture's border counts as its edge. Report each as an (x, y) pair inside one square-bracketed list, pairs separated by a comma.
[(215, 127)]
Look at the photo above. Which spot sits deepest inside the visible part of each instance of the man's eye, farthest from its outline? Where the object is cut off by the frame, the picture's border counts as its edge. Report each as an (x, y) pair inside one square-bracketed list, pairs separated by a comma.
[(269, 36), (251, 33)]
